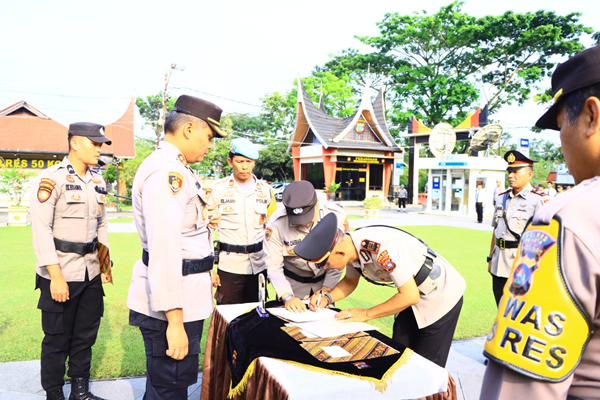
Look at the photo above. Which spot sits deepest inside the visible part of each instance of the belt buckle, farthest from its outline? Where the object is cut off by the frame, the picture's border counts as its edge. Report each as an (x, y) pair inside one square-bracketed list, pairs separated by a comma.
[(502, 244)]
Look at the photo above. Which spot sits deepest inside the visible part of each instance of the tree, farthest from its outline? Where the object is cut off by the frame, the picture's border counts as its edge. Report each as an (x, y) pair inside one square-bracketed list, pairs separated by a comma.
[(151, 110), (275, 163), (128, 168), (438, 66), (14, 182)]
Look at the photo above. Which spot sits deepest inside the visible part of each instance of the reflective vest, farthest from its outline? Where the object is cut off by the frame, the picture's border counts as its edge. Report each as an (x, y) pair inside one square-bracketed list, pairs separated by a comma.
[(541, 329)]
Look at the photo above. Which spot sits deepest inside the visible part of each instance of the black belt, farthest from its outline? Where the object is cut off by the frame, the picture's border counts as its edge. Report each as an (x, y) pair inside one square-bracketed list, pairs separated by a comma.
[(426, 268), (302, 279), (243, 249), (188, 266), (507, 244), (74, 247)]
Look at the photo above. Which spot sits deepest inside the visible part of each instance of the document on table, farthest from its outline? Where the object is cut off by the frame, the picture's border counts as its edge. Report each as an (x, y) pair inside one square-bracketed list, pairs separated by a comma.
[(325, 314), (331, 328)]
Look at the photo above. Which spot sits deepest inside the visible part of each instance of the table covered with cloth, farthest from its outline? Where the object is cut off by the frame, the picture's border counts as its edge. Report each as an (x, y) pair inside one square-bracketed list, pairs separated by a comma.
[(410, 377)]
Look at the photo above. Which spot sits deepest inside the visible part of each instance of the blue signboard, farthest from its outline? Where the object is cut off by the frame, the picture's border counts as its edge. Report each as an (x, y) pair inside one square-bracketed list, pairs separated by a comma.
[(524, 142), (436, 185)]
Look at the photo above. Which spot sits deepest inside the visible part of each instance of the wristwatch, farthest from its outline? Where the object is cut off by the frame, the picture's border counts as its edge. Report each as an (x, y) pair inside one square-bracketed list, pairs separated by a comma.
[(489, 259), (286, 297)]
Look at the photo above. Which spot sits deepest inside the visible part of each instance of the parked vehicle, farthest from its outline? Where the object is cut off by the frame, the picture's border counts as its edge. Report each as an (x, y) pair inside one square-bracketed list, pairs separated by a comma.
[(278, 188)]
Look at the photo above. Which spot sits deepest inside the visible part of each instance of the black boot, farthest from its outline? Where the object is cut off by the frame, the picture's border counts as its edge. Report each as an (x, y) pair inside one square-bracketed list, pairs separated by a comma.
[(56, 394), (80, 390)]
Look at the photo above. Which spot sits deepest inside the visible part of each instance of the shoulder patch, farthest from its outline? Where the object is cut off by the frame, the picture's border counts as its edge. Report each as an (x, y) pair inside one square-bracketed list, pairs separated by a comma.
[(386, 261), (45, 189), (268, 233), (175, 181), (369, 245)]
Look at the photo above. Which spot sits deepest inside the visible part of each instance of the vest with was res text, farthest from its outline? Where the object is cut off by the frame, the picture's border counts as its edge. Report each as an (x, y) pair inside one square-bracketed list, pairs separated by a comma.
[(541, 330)]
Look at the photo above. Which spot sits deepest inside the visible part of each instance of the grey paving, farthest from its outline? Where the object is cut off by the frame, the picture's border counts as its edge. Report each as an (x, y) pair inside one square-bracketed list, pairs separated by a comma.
[(21, 380)]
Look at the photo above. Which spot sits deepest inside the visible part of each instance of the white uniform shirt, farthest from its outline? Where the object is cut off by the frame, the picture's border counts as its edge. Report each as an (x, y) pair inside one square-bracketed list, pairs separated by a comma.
[(386, 254), (280, 240), (171, 218), (68, 207), (243, 221)]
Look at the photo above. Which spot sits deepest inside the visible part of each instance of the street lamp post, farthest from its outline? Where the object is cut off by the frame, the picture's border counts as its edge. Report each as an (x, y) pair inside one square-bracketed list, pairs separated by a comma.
[(174, 66)]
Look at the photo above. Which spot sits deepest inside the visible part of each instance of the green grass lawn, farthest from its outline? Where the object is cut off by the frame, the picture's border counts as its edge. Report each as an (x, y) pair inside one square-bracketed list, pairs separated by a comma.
[(119, 350)]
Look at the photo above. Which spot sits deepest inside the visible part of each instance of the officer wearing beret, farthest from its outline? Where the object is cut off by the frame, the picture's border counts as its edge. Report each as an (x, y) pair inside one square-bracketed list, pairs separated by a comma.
[(68, 221), (514, 207), (562, 280), (244, 203), (170, 294), (292, 277), (429, 292)]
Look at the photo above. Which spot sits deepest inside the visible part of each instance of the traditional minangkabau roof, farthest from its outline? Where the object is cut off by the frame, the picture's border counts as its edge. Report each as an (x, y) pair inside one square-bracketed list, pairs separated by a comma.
[(364, 130), (24, 128)]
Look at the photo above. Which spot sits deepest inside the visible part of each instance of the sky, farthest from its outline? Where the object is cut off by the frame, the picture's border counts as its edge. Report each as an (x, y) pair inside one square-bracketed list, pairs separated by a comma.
[(84, 61)]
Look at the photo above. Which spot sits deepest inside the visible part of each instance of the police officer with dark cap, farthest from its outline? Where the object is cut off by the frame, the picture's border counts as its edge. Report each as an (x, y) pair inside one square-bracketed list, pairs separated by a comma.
[(557, 273), (514, 207), (428, 296), (293, 278), (68, 221), (170, 294)]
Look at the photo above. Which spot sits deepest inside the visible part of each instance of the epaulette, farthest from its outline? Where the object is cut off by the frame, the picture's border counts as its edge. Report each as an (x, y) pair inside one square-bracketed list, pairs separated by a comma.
[(281, 212), (538, 193), (506, 191)]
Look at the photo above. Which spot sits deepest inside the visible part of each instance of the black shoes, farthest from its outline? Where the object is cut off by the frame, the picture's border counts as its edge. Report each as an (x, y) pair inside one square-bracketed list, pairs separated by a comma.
[(55, 395), (80, 390)]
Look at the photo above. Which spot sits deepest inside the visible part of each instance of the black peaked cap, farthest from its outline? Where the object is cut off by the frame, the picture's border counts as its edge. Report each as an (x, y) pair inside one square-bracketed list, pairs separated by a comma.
[(319, 240)]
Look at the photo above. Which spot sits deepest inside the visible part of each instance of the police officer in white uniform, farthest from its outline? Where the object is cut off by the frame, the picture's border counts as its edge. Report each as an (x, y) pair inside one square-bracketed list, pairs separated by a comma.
[(170, 294), (68, 220), (244, 203), (292, 277), (513, 208), (428, 296)]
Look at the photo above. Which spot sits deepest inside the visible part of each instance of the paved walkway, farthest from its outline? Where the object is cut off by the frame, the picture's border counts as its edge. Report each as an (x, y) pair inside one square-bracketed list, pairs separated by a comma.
[(21, 380)]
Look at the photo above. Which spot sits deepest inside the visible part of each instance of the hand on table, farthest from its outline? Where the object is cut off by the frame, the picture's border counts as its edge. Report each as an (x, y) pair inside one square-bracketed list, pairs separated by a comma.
[(352, 315), (295, 305)]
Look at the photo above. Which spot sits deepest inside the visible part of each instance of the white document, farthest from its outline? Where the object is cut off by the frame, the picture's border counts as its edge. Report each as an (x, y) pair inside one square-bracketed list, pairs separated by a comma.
[(335, 351), (323, 315), (333, 328)]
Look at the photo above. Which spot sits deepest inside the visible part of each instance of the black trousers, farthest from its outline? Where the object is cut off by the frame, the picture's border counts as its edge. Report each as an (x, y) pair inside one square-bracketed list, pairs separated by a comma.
[(167, 378), (237, 288), (479, 209), (70, 330), (498, 284), (402, 202), (432, 342)]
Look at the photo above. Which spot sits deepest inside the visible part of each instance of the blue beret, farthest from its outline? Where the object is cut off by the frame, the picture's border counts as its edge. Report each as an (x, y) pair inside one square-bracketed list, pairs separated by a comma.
[(244, 147)]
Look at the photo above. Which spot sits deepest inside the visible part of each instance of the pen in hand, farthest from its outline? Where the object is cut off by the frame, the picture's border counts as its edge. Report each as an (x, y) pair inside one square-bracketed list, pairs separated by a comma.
[(318, 301)]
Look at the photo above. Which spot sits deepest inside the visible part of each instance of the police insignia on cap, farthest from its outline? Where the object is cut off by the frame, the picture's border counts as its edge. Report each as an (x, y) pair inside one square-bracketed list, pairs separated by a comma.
[(297, 210), (175, 181), (268, 233), (511, 158), (368, 245)]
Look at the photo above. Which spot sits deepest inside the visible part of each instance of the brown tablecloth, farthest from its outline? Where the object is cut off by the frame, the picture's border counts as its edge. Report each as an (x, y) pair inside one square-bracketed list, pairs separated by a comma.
[(261, 385)]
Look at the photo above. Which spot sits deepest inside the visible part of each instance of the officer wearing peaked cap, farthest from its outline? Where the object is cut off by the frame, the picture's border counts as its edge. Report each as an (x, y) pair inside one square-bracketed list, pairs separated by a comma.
[(292, 277), (68, 221), (428, 299), (170, 294), (514, 207), (557, 282), (245, 203)]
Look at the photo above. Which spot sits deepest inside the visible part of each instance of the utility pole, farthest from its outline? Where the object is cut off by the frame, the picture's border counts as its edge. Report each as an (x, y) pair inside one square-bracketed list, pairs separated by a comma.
[(164, 98)]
